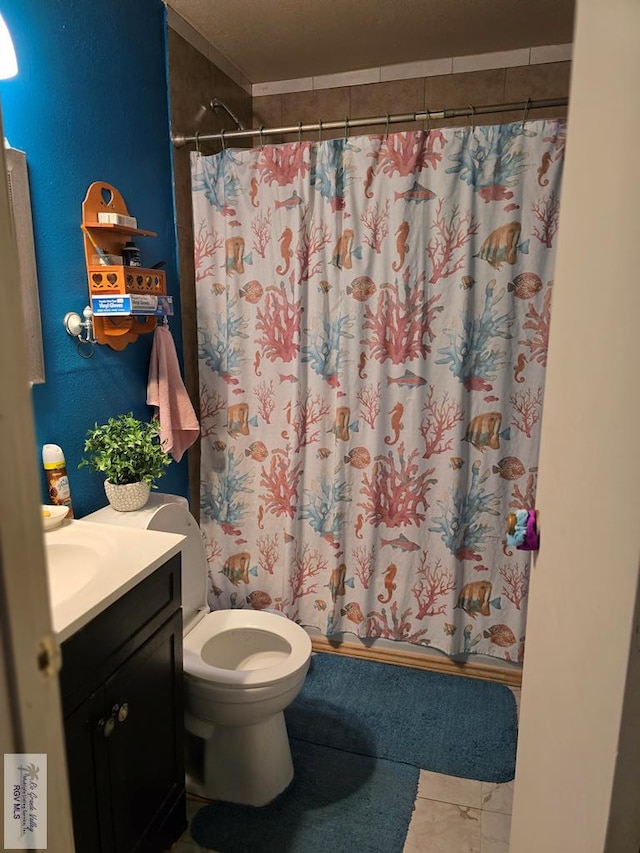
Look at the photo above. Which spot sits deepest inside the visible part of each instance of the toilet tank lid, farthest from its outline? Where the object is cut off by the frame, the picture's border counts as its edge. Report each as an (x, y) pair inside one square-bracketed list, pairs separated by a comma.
[(140, 518)]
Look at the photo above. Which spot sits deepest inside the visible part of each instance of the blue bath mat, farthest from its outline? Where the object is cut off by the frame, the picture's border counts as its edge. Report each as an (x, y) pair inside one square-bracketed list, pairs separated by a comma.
[(338, 801), (444, 723)]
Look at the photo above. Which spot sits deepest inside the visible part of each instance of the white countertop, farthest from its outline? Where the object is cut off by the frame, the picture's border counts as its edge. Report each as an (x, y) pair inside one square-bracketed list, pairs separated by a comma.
[(89, 566)]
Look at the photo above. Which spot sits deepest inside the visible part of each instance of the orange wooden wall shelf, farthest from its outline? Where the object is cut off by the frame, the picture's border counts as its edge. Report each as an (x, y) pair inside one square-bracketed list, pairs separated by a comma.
[(105, 280)]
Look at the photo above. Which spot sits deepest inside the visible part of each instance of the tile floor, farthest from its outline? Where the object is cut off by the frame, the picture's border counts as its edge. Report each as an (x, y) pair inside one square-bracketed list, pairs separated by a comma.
[(451, 815)]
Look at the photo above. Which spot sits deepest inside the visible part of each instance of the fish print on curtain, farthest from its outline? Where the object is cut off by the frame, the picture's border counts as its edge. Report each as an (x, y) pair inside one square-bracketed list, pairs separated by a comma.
[(373, 319)]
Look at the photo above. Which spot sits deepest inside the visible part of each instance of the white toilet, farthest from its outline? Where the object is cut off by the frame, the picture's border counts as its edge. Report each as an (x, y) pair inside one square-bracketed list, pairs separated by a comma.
[(241, 670)]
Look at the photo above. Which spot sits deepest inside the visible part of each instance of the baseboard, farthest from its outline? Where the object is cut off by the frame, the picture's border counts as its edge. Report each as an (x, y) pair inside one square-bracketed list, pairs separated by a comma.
[(420, 661)]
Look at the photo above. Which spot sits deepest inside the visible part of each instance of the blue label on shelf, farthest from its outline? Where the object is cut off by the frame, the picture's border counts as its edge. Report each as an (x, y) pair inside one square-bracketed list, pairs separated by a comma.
[(115, 306), (132, 304)]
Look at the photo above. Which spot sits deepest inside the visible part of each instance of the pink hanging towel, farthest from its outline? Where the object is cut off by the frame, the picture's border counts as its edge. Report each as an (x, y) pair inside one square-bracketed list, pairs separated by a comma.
[(179, 427)]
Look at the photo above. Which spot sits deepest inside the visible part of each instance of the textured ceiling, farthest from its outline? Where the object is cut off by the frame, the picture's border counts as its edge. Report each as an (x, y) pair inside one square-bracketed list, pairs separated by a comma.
[(281, 39)]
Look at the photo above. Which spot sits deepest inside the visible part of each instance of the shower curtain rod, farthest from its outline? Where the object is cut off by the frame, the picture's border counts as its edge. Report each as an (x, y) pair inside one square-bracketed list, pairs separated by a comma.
[(348, 124)]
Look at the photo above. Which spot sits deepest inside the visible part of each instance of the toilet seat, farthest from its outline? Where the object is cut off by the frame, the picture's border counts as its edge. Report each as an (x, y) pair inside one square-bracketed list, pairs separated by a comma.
[(289, 647)]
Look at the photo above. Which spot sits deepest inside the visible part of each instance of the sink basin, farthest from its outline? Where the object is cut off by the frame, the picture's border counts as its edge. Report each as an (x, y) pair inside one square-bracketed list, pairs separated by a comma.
[(70, 568), (89, 566)]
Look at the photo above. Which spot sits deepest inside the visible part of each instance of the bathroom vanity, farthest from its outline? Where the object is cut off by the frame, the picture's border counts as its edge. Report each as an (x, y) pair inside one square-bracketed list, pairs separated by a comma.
[(121, 687)]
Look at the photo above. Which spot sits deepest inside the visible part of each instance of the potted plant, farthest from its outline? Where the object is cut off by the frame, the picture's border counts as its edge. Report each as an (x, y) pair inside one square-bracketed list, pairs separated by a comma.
[(129, 453)]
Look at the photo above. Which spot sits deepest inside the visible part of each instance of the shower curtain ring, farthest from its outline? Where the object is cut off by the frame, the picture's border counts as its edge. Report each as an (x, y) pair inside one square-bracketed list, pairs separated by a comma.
[(427, 120), (473, 117), (346, 128), (527, 107), (320, 131), (261, 137), (198, 144), (386, 128), (299, 132), (224, 144)]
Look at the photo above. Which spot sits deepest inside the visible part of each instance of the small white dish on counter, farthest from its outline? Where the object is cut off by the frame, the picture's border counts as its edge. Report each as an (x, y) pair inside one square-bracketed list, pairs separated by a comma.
[(53, 516)]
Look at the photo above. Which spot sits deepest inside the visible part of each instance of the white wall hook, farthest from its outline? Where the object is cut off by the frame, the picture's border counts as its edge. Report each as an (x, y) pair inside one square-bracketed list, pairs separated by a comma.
[(75, 326)]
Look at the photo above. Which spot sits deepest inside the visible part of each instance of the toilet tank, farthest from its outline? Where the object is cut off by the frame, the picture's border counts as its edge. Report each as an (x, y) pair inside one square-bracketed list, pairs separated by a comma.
[(170, 514)]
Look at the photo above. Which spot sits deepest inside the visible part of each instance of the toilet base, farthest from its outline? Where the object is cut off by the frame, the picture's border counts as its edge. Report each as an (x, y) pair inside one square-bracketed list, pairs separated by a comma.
[(249, 765)]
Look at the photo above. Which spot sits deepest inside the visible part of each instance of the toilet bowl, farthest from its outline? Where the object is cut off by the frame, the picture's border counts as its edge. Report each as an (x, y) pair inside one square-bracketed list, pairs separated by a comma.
[(241, 670)]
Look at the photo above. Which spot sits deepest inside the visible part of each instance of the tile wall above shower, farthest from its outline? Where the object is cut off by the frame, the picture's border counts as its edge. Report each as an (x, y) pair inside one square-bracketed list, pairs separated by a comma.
[(446, 91), (193, 81)]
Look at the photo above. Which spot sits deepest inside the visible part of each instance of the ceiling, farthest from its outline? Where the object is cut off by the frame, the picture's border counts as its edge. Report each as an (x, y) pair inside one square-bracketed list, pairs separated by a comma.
[(281, 39)]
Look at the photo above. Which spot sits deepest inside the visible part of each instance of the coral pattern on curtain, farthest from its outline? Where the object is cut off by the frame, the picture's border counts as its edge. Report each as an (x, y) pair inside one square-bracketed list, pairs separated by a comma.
[(373, 319)]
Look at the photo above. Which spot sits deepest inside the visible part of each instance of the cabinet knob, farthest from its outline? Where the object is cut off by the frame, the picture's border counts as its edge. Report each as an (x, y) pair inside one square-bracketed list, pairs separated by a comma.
[(123, 712), (106, 727)]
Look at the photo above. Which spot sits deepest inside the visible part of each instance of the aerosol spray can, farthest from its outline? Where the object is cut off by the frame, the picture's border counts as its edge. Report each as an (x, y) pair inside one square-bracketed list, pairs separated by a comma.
[(57, 480)]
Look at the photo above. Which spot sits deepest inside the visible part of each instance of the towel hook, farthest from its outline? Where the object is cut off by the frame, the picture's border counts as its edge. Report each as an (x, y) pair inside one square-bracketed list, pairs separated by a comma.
[(526, 112)]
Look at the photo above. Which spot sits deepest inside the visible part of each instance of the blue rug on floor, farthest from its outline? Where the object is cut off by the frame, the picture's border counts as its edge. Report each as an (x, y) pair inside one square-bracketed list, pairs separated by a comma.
[(445, 723), (338, 802)]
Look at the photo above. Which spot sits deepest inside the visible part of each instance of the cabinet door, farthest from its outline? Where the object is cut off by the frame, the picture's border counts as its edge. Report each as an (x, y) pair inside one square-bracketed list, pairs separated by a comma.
[(87, 751), (146, 763)]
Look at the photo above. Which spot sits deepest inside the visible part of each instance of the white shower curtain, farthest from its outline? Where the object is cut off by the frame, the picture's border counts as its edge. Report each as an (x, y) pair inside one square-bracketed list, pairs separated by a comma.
[(373, 317)]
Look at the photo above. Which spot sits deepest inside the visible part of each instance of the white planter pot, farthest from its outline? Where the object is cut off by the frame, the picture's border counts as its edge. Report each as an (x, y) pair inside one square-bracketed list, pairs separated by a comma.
[(127, 498)]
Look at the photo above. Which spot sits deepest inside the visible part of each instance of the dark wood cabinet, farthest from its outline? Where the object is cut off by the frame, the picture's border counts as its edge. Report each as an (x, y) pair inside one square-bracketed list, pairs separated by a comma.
[(122, 697)]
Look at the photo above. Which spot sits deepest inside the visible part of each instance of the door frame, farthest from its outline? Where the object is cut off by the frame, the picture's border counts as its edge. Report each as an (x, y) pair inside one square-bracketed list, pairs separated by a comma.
[(30, 711)]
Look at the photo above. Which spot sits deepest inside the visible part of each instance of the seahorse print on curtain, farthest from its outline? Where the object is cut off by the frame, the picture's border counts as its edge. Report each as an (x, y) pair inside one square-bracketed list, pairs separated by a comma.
[(373, 320)]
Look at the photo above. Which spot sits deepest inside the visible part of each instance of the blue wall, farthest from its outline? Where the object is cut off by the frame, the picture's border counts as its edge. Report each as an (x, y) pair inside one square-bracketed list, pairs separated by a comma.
[(90, 103)]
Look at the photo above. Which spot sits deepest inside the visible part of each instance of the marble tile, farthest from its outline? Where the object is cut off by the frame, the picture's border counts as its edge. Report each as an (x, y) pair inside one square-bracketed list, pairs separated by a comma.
[(182, 178), (319, 105), (538, 82), (190, 89), (348, 78), (450, 789), (494, 832), (550, 80), (443, 828), (280, 87), (421, 68), (267, 111), (460, 90), (378, 99), (482, 61), (233, 95), (551, 53), (497, 797)]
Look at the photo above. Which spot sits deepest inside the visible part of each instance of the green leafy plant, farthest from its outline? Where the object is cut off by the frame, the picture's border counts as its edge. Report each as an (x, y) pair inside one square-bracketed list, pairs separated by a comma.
[(126, 450)]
